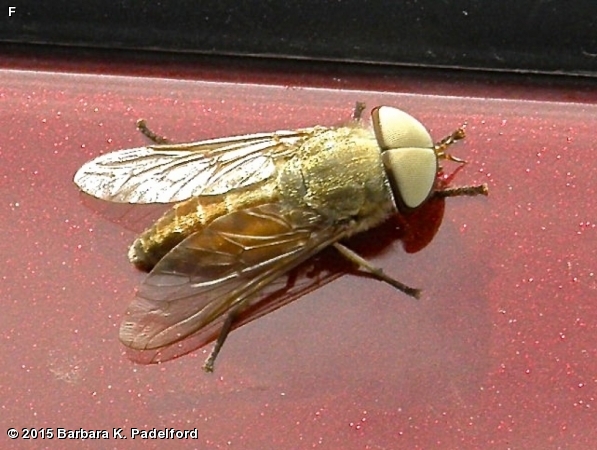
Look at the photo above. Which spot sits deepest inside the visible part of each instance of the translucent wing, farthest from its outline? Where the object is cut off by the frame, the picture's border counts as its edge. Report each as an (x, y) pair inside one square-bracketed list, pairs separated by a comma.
[(224, 266), (172, 173), (308, 276)]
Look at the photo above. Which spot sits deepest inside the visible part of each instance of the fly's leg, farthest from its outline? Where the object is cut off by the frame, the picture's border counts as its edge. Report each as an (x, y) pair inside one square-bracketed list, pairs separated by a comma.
[(376, 271), (153, 137), (440, 150), (441, 146), (357, 114), (208, 366), (480, 189)]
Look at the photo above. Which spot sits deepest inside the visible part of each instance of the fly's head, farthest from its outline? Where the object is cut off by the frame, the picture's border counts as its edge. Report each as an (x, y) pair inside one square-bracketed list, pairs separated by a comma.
[(410, 157)]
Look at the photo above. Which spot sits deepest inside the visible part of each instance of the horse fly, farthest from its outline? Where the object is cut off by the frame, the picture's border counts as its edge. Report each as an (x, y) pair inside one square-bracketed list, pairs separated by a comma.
[(251, 208)]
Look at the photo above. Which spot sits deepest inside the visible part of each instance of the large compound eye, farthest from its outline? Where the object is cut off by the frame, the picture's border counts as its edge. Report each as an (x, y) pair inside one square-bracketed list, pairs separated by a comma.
[(396, 129), (412, 172)]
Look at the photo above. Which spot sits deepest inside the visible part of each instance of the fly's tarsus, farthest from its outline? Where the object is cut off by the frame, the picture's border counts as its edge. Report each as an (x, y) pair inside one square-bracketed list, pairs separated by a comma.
[(153, 137)]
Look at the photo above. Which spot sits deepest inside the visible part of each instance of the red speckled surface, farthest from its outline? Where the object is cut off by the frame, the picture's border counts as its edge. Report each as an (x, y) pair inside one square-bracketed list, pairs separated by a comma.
[(500, 352)]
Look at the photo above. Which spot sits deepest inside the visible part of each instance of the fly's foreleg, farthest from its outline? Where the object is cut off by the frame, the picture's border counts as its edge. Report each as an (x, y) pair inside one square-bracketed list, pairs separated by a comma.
[(376, 271), (441, 147), (153, 137), (480, 189)]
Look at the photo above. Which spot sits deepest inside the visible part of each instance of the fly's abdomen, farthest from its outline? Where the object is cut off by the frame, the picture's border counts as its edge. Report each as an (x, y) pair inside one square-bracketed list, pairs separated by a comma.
[(189, 217)]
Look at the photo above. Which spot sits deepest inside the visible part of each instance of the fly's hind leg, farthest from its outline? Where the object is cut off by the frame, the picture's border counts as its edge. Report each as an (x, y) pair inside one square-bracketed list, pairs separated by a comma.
[(208, 366), (232, 315), (376, 271), (153, 137)]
